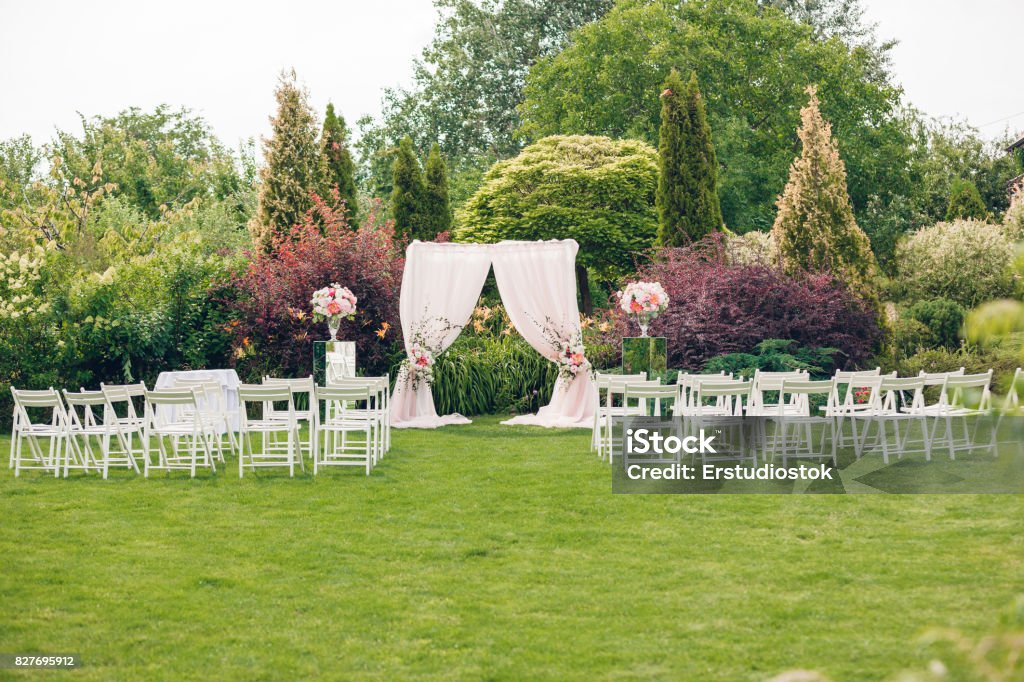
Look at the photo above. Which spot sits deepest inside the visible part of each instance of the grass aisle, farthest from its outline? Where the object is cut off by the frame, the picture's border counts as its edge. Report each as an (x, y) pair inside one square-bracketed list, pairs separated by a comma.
[(487, 552)]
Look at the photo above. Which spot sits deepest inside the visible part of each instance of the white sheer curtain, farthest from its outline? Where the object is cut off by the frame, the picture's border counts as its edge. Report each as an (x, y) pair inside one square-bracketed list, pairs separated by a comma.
[(440, 287), (537, 283)]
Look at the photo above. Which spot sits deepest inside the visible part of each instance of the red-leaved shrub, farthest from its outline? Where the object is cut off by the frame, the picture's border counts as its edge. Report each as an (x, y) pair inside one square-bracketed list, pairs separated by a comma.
[(272, 319), (718, 307)]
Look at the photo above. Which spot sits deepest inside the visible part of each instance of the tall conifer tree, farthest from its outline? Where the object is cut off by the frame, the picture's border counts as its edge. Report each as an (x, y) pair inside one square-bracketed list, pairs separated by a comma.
[(339, 169), (815, 229), (687, 198), (965, 202), (437, 210), (293, 165), (408, 191)]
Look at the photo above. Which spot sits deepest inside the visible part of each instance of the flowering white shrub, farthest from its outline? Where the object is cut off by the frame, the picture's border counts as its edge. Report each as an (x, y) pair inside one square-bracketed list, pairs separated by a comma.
[(20, 284), (967, 261), (752, 248)]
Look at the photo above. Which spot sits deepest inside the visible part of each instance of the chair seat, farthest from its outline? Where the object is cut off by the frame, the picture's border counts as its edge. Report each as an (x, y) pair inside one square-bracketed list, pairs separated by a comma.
[(41, 430), (341, 424)]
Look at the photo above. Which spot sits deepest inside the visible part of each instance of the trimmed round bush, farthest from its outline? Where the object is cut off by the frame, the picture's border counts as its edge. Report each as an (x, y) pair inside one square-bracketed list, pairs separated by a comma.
[(966, 261), (943, 318), (909, 337), (596, 190)]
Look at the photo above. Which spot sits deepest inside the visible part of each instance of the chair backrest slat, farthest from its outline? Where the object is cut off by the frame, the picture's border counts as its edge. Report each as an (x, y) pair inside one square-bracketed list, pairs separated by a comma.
[(261, 393), (171, 396)]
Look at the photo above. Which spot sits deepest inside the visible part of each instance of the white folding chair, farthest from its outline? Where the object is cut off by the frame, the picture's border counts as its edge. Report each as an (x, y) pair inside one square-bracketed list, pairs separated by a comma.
[(380, 401), (615, 396), (771, 382), (348, 412), (128, 425), (189, 433), (963, 396), (51, 429), (935, 383), (688, 385), (605, 410), (900, 401), (719, 397), (214, 406), (843, 381), (717, 403), (862, 402), (1012, 403), (271, 424), (299, 387), (793, 435), (653, 399), (85, 427)]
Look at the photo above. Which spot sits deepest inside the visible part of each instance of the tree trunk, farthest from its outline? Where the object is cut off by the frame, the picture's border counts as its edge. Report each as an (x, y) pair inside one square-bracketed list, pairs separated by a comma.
[(584, 285)]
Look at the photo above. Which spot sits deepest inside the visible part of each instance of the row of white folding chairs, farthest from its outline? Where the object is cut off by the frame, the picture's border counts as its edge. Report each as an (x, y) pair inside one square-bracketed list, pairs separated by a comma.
[(72, 425), (186, 425), (847, 394)]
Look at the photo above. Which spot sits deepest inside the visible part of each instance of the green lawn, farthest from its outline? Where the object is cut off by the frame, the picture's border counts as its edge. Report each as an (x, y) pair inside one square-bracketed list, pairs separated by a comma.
[(487, 552)]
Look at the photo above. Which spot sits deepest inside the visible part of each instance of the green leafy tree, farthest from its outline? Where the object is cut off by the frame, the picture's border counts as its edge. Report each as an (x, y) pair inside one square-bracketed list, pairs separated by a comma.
[(437, 209), (815, 229), (339, 168), (408, 193), (467, 85), (157, 161), (293, 165), (688, 206), (753, 95), (965, 202), (595, 190)]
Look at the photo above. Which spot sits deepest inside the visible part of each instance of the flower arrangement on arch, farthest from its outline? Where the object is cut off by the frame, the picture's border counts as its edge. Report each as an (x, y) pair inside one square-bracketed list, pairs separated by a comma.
[(572, 360), (419, 366), (644, 301), (570, 353), (332, 304)]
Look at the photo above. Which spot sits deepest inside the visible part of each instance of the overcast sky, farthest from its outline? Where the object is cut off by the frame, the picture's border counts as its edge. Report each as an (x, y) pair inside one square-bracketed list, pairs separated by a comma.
[(955, 58)]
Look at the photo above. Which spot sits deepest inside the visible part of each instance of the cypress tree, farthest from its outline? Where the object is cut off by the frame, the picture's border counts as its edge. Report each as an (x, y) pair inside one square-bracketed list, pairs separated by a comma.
[(687, 197), (407, 195), (965, 202), (293, 166), (339, 169), (815, 229), (437, 210)]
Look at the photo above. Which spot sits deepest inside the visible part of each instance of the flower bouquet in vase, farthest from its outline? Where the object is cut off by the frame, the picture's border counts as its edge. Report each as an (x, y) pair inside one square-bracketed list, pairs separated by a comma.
[(333, 303), (644, 301)]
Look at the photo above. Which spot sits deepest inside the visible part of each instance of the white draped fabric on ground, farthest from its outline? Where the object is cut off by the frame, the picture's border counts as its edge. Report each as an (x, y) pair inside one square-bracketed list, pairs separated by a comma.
[(537, 282), (440, 287)]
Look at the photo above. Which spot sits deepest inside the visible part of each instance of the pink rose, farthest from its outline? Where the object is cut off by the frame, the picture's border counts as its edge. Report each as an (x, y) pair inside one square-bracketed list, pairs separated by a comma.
[(334, 308)]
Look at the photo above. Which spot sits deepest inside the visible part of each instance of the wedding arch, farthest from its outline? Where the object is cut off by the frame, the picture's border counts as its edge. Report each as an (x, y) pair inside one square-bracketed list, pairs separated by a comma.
[(537, 283)]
